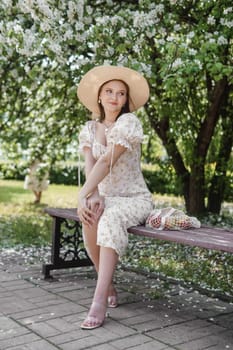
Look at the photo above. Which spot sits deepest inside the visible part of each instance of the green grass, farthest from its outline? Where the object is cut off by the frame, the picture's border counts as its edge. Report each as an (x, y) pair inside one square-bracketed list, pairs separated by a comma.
[(14, 197), (24, 224)]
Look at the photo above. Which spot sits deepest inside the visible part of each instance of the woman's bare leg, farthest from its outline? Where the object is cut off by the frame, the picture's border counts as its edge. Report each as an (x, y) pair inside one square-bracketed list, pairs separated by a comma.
[(107, 263), (93, 250), (90, 239), (37, 196)]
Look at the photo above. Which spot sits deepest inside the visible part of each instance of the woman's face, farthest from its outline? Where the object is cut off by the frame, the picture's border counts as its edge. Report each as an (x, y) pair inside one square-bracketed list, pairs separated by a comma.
[(113, 96)]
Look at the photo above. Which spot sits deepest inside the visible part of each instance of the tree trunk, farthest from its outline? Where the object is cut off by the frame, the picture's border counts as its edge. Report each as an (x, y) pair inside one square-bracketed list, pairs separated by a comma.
[(193, 183), (196, 200), (216, 192), (197, 194), (162, 129)]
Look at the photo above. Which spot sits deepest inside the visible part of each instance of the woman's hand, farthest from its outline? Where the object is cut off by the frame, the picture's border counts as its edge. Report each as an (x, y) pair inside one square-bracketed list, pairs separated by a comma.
[(96, 204), (86, 215), (91, 208)]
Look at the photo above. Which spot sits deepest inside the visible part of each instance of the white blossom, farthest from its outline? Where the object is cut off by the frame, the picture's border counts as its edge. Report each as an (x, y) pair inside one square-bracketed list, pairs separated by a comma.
[(192, 52), (107, 62), (55, 47), (45, 26), (177, 27), (123, 60), (17, 28), (150, 33), (103, 20), (82, 37), (7, 3), (71, 11), (212, 41), (68, 34), (2, 40), (25, 89), (198, 63), (79, 26), (147, 69), (159, 8), (45, 9), (161, 42), (89, 10), (170, 38), (115, 20), (122, 33), (177, 63), (229, 24), (226, 23), (87, 20), (222, 40), (227, 10), (190, 35), (211, 20), (14, 73), (26, 68), (111, 51), (136, 49), (145, 20), (28, 43), (80, 8), (25, 5)]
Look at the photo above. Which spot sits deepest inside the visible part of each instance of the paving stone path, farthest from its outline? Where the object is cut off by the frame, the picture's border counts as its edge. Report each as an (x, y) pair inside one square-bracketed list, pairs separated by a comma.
[(38, 314)]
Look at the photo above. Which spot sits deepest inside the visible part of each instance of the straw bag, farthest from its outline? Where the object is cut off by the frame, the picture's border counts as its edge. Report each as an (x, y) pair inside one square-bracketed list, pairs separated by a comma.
[(171, 219)]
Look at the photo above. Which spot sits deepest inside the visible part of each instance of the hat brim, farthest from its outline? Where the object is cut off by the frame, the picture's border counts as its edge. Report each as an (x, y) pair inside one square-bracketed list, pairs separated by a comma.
[(91, 82)]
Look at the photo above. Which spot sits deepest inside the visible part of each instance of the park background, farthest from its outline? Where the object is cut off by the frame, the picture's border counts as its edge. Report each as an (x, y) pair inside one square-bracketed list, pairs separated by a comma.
[(184, 49)]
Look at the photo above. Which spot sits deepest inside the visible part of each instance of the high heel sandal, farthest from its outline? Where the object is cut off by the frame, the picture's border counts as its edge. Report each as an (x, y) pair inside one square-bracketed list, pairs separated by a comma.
[(92, 322), (112, 301), (89, 324)]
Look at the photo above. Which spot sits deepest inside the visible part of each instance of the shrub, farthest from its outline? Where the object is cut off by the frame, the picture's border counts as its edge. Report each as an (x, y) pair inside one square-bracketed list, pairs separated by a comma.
[(160, 177), (13, 171)]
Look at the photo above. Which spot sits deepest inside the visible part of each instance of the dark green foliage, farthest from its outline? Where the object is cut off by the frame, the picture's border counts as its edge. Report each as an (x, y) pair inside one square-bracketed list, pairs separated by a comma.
[(160, 178), (66, 174)]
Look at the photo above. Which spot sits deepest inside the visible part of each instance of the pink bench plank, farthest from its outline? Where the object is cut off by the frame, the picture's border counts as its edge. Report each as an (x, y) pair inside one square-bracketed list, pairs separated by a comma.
[(205, 237)]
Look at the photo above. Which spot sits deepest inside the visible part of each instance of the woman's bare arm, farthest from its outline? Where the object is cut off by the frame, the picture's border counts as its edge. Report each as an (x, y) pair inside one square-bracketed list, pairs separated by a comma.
[(101, 169), (96, 175)]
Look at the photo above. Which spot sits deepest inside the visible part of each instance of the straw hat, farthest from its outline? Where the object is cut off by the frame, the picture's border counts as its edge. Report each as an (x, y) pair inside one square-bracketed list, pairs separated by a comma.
[(89, 85)]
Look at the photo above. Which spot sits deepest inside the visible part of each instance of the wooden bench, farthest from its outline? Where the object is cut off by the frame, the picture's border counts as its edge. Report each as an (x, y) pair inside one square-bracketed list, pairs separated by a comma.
[(68, 249)]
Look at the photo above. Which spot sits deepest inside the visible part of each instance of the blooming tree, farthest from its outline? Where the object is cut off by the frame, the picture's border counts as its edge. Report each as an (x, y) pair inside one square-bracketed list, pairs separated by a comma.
[(184, 48)]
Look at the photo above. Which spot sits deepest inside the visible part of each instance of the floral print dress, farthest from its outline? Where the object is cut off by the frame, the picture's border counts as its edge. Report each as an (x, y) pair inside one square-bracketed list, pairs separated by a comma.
[(128, 201)]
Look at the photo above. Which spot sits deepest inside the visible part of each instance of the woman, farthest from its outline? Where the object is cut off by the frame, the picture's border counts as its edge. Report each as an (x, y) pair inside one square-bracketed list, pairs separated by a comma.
[(37, 179), (114, 196)]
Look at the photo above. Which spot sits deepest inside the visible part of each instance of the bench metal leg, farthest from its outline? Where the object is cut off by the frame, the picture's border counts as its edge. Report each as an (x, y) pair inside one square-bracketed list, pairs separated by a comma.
[(67, 249)]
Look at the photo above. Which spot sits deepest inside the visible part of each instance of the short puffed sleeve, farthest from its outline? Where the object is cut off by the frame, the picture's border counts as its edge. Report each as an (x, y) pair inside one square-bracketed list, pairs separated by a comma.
[(126, 131), (86, 136)]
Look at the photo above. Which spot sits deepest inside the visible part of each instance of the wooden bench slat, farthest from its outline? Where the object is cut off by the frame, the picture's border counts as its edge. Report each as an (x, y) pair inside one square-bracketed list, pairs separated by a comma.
[(205, 237), (70, 213), (68, 251)]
